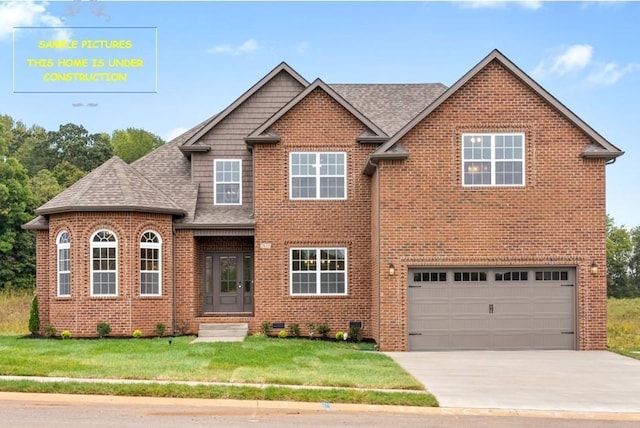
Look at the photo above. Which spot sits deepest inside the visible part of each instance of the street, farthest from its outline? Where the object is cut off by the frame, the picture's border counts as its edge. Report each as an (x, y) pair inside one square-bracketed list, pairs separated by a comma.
[(41, 410)]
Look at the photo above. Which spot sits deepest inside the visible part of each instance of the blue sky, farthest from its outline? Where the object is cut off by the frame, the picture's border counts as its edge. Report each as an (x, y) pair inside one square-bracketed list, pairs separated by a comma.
[(209, 53)]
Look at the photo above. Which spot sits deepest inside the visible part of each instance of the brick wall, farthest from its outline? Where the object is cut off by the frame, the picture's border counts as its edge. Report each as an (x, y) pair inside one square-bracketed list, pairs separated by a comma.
[(428, 219), (317, 123), (81, 312)]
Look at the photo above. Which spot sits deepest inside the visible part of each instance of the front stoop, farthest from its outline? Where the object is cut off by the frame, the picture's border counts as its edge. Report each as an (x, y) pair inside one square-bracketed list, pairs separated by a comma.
[(222, 332)]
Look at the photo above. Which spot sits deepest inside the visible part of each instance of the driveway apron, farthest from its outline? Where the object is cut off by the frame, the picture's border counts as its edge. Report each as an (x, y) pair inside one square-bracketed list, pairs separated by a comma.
[(582, 381)]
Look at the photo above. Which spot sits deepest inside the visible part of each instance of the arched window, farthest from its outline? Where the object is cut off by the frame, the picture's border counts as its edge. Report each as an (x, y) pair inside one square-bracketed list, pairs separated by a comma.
[(64, 265), (150, 264), (104, 264)]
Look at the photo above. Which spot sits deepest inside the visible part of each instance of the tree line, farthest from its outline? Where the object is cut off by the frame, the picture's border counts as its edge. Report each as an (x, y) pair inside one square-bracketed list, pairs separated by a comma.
[(623, 260), (37, 164)]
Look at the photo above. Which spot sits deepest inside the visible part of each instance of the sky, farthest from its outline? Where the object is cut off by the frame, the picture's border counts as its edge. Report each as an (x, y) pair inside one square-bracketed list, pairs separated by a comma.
[(198, 57)]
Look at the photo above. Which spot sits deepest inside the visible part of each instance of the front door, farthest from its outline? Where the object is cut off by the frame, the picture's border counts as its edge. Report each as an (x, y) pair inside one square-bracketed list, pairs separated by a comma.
[(228, 282)]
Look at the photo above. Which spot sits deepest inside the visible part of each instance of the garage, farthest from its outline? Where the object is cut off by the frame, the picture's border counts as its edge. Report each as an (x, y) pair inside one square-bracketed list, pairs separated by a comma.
[(491, 308)]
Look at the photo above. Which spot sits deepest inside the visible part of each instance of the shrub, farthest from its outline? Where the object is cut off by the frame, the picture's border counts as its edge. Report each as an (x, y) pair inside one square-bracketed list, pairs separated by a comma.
[(354, 333), (312, 329), (137, 334), (339, 335), (323, 329), (49, 331), (103, 329), (34, 316), (294, 329), (265, 328), (65, 335), (182, 327), (160, 329), (282, 334)]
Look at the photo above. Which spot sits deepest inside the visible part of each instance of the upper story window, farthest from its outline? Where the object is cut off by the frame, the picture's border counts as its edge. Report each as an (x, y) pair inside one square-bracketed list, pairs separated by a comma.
[(227, 182), (318, 271), (150, 261), (64, 265), (321, 175), (104, 264), (493, 159)]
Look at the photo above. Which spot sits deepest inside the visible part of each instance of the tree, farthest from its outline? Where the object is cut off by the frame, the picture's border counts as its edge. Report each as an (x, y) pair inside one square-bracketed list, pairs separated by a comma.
[(73, 143), (634, 262), (67, 174), (6, 124), (44, 186), (17, 247), (618, 256), (132, 143)]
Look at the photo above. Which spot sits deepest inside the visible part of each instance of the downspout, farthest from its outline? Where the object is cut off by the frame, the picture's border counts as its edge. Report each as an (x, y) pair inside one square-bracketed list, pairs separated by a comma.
[(173, 279), (377, 171)]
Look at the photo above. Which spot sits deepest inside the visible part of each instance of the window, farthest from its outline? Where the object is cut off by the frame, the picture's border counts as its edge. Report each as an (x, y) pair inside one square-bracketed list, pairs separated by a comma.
[(546, 275), (493, 159), (318, 175), (150, 259), (318, 271), (227, 182), (104, 264), (429, 277), (470, 276), (512, 276), (64, 266)]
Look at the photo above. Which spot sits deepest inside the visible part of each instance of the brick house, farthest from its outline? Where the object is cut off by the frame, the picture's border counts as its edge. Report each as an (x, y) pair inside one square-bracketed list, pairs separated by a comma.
[(468, 217)]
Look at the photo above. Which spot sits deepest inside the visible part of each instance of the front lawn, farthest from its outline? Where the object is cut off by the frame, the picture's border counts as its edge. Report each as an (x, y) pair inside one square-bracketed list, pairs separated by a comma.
[(623, 326), (256, 360)]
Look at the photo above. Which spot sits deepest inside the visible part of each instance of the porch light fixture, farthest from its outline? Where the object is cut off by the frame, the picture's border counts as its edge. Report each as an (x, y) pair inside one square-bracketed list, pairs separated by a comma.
[(392, 269), (594, 268)]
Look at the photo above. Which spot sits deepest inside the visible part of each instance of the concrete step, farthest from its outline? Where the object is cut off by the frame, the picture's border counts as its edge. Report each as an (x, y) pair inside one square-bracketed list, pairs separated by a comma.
[(221, 332)]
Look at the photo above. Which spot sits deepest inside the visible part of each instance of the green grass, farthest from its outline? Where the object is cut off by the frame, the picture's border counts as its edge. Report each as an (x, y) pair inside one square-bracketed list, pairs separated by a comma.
[(256, 360), (226, 392), (623, 326)]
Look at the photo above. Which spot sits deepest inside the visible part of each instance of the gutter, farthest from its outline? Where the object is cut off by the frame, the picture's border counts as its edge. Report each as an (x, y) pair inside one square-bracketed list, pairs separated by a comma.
[(375, 168), (175, 300)]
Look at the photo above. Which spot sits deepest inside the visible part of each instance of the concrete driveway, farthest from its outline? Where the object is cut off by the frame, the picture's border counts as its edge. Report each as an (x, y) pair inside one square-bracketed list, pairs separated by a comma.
[(587, 381)]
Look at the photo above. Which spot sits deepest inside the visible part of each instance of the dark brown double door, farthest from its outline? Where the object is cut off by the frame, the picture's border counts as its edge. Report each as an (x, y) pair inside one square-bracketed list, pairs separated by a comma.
[(228, 282)]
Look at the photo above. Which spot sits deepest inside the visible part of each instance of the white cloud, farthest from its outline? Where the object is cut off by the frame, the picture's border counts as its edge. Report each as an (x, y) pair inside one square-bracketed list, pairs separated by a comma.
[(176, 132), (498, 4), (610, 73), (248, 46), (28, 13), (574, 58)]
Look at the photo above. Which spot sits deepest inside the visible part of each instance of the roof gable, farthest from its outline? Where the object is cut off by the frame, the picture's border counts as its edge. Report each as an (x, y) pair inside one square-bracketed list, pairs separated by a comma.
[(213, 121), (375, 134), (606, 149), (114, 186)]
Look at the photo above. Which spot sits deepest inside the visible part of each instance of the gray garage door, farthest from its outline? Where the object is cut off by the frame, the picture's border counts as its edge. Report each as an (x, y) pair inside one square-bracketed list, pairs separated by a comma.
[(491, 308)]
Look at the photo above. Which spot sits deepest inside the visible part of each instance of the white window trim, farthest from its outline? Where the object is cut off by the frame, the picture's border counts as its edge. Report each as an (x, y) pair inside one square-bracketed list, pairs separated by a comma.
[(103, 245), (319, 272), (63, 246), (152, 245), (318, 176), (215, 183), (493, 159)]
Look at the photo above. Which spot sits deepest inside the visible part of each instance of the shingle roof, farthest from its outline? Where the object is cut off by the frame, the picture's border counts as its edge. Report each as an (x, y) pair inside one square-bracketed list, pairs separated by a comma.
[(390, 106), (219, 217), (38, 223), (113, 186)]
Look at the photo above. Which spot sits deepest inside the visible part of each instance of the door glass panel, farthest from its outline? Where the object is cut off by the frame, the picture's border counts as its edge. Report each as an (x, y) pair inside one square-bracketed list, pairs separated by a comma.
[(247, 274), (208, 274), (229, 274)]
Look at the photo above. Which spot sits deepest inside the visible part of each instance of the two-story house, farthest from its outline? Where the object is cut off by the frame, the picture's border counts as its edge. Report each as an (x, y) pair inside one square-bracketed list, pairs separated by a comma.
[(468, 217)]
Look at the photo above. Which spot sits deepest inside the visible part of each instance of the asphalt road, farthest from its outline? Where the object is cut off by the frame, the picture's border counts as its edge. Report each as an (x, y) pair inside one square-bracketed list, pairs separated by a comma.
[(44, 411)]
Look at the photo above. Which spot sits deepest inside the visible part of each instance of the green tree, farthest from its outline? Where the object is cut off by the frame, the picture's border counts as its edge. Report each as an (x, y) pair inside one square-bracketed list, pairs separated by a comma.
[(618, 256), (634, 262), (31, 147), (132, 143), (67, 174), (6, 125), (74, 144), (44, 186), (17, 247)]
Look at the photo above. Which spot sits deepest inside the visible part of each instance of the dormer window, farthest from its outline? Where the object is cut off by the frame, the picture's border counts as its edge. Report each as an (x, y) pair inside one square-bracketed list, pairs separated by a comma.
[(227, 182)]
